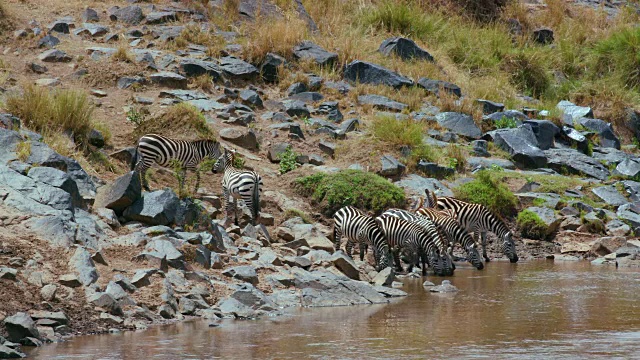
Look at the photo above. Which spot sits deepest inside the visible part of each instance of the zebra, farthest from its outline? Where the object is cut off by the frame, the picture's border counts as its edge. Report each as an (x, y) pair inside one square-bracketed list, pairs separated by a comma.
[(154, 148), (455, 232), (238, 184), (476, 218), (411, 238), (360, 228), (430, 227)]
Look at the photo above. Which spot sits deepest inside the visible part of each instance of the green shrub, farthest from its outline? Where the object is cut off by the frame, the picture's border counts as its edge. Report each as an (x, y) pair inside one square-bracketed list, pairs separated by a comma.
[(397, 17), (528, 72), (397, 132), (505, 123), (491, 193), (531, 226), (288, 160), (364, 190), (291, 213), (618, 56)]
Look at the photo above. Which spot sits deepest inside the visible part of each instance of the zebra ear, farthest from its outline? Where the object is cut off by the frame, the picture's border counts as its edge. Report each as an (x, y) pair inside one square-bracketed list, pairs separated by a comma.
[(378, 221)]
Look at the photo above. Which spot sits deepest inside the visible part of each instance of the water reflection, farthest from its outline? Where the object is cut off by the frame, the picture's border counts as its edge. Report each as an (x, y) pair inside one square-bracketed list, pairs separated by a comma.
[(527, 311)]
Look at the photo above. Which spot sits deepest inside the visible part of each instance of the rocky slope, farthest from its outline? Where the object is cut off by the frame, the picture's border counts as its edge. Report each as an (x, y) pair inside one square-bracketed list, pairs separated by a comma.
[(84, 250)]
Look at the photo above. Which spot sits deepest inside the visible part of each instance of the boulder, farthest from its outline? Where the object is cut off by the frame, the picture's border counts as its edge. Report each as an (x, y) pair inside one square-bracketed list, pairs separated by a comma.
[(307, 97), (391, 167), (384, 278), (632, 190), (368, 73), (251, 98), (119, 195), (542, 36), (169, 79), (381, 102), (545, 132), (574, 112), (434, 170), (20, 326), (404, 48), (105, 301), (194, 67), (548, 216), (89, 15), (574, 162), (276, 151), (236, 69), (610, 195), (9, 353), (126, 82), (54, 55), (435, 86), (60, 26), (82, 264), (161, 17), (459, 124), (444, 287), (246, 139), (630, 214), (521, 144), (130, 15), (414, 185), (331, 110), (309, 50), (8, 273), (296, 108), (296, 88), (628, 167), (328, 148), (479, 163), (346, 265), (490, 107), (608, 138), (92, 30), (245, 273), (269, 67), (617, 228), (48, 41), (155, 208)]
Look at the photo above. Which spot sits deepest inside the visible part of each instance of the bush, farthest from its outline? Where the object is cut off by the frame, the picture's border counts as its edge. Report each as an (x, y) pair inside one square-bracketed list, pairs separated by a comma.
[(488, 192), (366, 191), (181, 121), (397, 17), (617, 56), (278, 36), (47, 113), (122, 54), (528, 72), (397, 132), (457, 158), (505, 123), (288, 160), (531, 226)]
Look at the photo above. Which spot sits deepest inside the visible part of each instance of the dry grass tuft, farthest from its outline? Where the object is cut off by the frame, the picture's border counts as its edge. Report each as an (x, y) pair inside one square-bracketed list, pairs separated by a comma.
[(180, 121), (23, 149), (396, 132), (122, 54), (273, 35), (203, 82)]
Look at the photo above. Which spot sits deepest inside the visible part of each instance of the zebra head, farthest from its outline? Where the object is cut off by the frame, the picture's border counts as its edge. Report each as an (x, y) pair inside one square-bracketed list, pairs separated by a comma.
[(509, 247), (211, 151), (436, 262), (474, 256), (447, 264), (225, 158)]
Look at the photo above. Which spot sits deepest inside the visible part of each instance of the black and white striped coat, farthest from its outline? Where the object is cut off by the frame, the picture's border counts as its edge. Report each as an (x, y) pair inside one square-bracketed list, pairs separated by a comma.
[(153, 148), (412, 239), (478, 219), (441, 241), (238, 184), (361, 229), (455, 232)]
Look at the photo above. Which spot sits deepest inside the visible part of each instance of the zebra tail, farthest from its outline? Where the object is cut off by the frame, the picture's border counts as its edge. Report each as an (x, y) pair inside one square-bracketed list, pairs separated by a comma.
[(255, 198), (134, 159)]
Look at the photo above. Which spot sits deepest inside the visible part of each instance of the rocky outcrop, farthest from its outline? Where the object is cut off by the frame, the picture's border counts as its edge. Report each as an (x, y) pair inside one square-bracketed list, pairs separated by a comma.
[(367, 73)]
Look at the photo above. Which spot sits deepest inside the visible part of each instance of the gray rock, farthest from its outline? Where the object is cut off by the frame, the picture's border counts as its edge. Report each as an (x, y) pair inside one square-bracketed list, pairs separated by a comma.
[(349, 125), (545, 132), (69, 280), (155, 208), (573, 111), (328, 148), (340, 86), (405, 48), (480, 148), (163, 249), (251, 98), (126, 82), (49, 41), (490, 107), (434, 170), (316, 160), (169, 79), (54, 55), (269, 257), (459, 124), (269, 67), (184, 95), (296, 108), (608, 138), (434, 87), (307, 97), (82, 264), (105, 301), (296, 88), (632, 190), (346, 265), (444, 287), (237, 69), (245, 273), (8, 273), (92, 30), (368, 73), (521, 144), (385, 277), (141, 277), (548, 216), (58, 317), (628, 167), (543, 36), (414, 185), (390, 292), (59, 26), (610, 195), (19, 326), (193, 67), (574, 162), (309, 50), (122, 193), (381, 102), (630, 214), (298, 261), (161, 17), (276, 151), (48, 292), (391, 167), (130, 15), (246, 139), (89, 15), (9, 353)]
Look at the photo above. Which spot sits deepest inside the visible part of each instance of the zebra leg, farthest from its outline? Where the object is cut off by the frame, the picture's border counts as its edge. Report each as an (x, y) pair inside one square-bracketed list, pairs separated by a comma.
[(483, 236), (142, 171), (195, 190), (226, 206), (363, 250), (424, 265), (349, 248), (235, 209), (396, 260)]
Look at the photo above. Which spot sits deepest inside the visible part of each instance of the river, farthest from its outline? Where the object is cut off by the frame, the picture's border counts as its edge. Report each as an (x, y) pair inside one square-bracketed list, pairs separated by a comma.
[(529, 310)]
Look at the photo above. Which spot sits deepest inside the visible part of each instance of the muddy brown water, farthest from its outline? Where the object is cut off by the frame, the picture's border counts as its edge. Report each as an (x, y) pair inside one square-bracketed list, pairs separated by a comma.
[(529, 310)]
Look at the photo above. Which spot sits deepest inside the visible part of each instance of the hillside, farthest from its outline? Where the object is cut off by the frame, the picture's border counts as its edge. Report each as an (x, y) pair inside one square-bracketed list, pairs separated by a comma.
[(530, 108)]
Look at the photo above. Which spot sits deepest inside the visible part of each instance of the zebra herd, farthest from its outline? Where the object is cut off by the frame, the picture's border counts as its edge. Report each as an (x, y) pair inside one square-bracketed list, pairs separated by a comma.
[(425, 236), (236, 184)]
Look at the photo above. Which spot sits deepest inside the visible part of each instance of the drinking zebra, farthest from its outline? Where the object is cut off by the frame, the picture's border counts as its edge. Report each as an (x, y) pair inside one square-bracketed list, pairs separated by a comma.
[(430, 227), (362, 229), (476, 218), (412, 239), (455, 232), (238, 184), (153, 148)]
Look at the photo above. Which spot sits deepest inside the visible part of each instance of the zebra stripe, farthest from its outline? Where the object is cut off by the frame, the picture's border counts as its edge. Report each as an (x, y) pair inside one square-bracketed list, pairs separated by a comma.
[(153, 148), (239, 184), (455, 232), (411, 238), (362, 229), (478, 219), (431, 228)]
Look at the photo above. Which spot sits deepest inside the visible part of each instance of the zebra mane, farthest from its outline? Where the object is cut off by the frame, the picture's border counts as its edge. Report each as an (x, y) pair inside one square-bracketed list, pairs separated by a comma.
[(431, 199)]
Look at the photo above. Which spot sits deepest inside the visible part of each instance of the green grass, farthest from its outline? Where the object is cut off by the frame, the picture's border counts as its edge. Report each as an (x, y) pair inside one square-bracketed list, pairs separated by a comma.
[(505, 123), (531, 226), (366, 191), (618, 56), (291, 213), (23, 149), (391, 131), (288, 161), (489, 192)]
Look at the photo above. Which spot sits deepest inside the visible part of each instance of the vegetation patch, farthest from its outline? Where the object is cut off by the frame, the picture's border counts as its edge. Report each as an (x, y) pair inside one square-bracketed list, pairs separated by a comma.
[(505, 123), (23, 149), (487, 191), (292, 213), (397, 132), (288, 161), (180, 121), (364, 190), (531, 226), (278, 36)]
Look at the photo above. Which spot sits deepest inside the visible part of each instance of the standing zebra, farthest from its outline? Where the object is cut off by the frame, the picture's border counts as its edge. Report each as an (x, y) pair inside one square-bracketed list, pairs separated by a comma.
[(455, 232), (238, 184), (360, 228), (478, 219), (413, 239), (430, 227), (153, 148)]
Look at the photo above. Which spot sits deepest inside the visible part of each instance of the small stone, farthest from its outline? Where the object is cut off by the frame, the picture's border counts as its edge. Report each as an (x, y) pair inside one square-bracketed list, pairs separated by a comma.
[(48, 292), (69, 280)]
